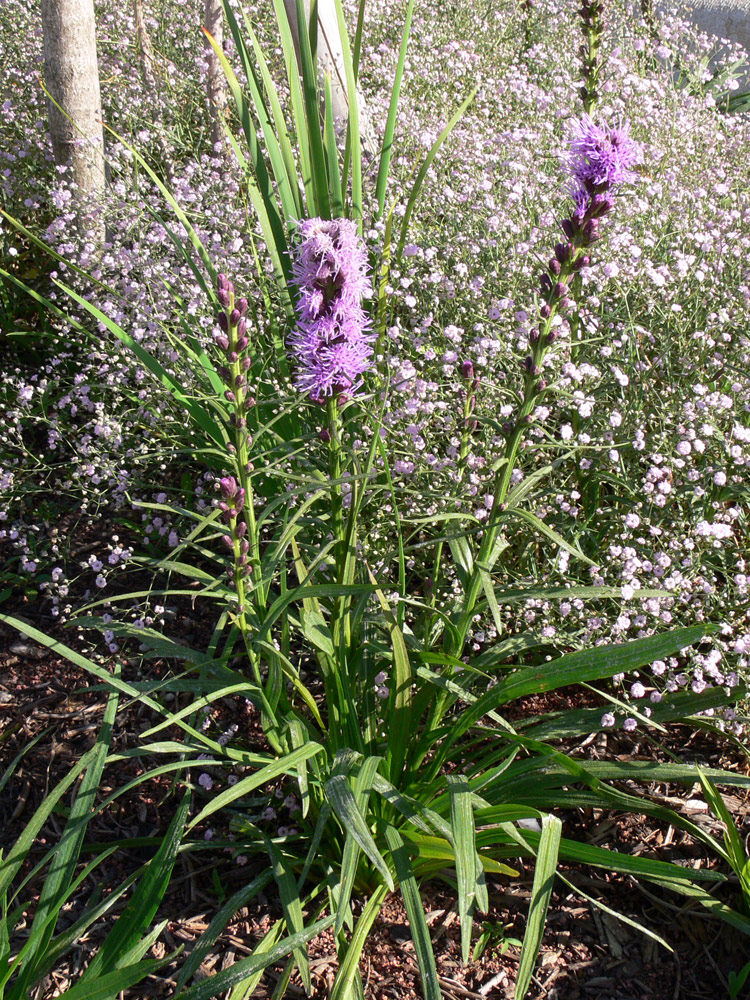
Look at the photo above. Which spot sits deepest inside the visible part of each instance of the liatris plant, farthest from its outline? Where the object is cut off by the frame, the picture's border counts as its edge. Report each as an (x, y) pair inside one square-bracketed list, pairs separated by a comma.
[(591, 14), (600, 159)]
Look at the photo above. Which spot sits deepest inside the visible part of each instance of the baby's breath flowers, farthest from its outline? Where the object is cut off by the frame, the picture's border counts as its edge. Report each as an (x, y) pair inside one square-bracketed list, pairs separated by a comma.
[(331, 344)]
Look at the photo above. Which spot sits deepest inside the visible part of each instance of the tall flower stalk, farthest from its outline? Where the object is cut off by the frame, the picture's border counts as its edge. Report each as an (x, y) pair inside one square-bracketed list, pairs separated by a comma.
[(236, 505), (601, 158), (591, 14)]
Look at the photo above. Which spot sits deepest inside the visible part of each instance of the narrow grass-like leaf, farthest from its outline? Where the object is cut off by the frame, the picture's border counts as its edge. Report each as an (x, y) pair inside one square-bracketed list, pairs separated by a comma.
[(246, 987), (297, 102), (17, 854), (310, 94), (735, 848), (544, 529), (362, 788), (399, 699), (259, 960), (282, 132), (463, 836), (200, 416), (343, 984), (284, 765), (420, 932), (574, 668), (57, 885), (417, 185), (140, 909), (292, 906), (110, 985), (332, 155), (286, 184), (354, 143), (390, 125), (342, 799), (541, 892), (646, 931)]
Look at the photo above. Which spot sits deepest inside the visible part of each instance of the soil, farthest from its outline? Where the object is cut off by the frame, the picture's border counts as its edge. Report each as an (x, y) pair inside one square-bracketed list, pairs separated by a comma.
[(586, 953)]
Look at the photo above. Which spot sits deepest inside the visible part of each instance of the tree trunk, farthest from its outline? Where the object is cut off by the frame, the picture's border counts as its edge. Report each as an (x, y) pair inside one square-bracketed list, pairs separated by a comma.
[(331, 60), (71, 76), (213, 19)]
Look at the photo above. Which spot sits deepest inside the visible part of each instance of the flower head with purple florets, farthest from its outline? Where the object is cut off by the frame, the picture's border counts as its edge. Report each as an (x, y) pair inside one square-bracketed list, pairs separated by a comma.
[(601, 156), (332, 344)]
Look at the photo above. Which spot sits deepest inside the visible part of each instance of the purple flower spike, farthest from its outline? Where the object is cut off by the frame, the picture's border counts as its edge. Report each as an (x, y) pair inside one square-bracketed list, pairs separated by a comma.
[(332, 344), (600, 156)]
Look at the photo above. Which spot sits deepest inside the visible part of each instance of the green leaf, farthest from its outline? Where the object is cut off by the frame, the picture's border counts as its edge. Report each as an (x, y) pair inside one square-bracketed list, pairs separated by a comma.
[(286, 182), (353, 136), (282, 133), (416, 187), (464, 843), (545, 529), (735, 847), (310, 94), (342, 799), (259, 960), (362, 787), (575, 668), (140, 909), (315, 629), (390, 125), (399, 700), (332, 155), (57, 886), (420, 932), (110, 985), (541, 891), (285, 765), (342, 986), (292, 906), (200, 416)]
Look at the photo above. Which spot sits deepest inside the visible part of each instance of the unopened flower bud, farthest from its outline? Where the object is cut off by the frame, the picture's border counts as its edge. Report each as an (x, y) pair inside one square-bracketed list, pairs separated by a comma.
[(467, 369), (221, 319), (554, 266), (222, 340), (591, 230), (568, 228), (241, 306), (325, 435), (545, 312), (228, 486)]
